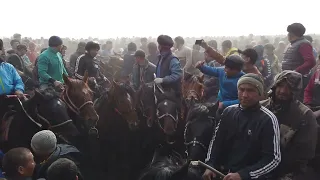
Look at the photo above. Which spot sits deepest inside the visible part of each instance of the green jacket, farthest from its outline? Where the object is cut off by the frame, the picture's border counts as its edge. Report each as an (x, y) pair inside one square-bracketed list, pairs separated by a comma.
[(50, 65)]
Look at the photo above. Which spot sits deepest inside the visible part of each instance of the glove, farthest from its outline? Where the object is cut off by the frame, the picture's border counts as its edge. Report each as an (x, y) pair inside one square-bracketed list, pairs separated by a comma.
[(158, 80), (57, 84)]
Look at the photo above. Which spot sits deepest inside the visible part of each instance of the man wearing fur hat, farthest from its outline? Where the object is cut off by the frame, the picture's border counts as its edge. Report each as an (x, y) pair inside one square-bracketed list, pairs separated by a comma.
[(246, 140), (298, 126), (168, 70)]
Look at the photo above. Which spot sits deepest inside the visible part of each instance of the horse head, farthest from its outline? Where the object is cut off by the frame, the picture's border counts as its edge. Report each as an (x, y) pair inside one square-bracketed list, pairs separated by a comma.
[(198, 131), (122, 99), (78, 97), (192, 88)]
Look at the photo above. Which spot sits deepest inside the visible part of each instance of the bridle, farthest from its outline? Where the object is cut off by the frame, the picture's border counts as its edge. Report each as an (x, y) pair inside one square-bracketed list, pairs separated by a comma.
[(193, 94), (159, 117), (193, 142), (77, 110)]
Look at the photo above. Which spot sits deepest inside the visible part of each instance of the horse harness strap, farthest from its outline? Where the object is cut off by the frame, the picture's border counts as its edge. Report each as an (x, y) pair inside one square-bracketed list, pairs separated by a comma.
[(42, 118), (194, 142), (71, 105)]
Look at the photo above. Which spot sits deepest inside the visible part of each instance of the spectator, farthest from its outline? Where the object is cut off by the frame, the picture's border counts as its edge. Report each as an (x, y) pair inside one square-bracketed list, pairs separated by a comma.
[(18, 164), (62, 169), (44, 145)]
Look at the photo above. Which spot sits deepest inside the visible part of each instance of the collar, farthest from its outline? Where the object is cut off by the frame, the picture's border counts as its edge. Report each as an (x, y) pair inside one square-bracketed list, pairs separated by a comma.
[(291, 42), (252, 108), (50, 49)]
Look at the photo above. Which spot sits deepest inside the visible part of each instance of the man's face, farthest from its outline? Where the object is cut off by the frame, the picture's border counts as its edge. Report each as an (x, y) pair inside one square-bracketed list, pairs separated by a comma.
[(139, 60), (245, 58), (22, 52), (63, 51), (290, 37), (152, 50), (108, 46), (268, 51), (93, 52), (144, 43), (177, 45), (32, 47), (248, 95), (82, 49), (225, 49), (207, 57), (14, 45), (27, 170), (283, 92), (230, 72)]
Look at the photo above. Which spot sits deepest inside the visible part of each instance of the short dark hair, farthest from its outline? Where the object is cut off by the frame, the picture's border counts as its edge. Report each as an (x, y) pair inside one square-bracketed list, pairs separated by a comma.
[(132, 46), (227, 44), (297, 29), (22, 47), (144, 40), (55, 41), (62, 169), (269, 46), (213, 43), (13, 159), (140, 53), (251, 54), (14, 41), (179, 40)]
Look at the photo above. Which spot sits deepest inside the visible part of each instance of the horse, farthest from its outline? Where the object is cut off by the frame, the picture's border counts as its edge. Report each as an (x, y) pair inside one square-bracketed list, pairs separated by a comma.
[(118, 136), (163, 167), (160, 110), (29, 83), (192, 91), (78, 97), (45, 110)]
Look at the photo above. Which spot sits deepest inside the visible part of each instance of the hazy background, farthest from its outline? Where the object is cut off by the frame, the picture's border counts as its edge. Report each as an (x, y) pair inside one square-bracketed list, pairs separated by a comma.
[(117, 18)]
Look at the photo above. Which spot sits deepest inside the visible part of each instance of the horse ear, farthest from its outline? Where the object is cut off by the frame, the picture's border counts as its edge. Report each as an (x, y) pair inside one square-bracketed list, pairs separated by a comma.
[(66, 80), (201, 78), (181, 173), (186, 75), (85, 77)]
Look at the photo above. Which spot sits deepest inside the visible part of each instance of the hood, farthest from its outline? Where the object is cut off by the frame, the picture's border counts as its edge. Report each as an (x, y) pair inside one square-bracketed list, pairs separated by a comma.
[(293, 79)]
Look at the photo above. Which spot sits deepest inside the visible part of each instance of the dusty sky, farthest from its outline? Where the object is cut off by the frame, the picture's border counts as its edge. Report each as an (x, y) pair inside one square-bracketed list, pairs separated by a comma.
[(112, 18)]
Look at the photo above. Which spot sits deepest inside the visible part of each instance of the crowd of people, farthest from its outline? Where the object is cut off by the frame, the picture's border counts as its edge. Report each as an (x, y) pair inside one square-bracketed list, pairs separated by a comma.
[(266, 89)]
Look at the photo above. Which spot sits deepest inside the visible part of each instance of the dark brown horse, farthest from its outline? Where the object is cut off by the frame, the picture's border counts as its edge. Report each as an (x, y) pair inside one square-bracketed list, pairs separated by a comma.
[(78, 97), (192, 91), (117, 136)]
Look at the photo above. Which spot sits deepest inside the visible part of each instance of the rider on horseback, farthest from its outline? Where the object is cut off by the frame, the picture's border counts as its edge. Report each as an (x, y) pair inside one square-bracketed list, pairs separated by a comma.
[(88, 62), (50, 65), (298, 126), (10, 81), (168, 71), (246, 143), (143, 70)]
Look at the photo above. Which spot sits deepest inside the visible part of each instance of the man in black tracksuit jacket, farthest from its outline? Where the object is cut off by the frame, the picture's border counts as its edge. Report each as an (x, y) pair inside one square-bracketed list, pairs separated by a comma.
[(246, 144)]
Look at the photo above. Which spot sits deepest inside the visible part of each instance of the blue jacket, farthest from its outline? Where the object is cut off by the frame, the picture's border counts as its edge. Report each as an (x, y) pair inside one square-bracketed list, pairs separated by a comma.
[(10, 81), (228, 92), (175, 69)]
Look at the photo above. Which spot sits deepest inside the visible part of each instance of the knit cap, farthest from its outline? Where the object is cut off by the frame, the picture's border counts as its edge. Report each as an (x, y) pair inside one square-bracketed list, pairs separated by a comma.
[(44, 142), (253, 79)]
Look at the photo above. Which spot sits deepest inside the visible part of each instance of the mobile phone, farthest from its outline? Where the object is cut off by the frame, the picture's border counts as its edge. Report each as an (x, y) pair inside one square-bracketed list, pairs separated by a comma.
[(198, 42)]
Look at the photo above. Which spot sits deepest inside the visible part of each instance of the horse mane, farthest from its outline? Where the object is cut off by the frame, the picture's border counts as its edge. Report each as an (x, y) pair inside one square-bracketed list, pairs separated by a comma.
[(77, 85), (162, 169), (170, 95), (197, 110)]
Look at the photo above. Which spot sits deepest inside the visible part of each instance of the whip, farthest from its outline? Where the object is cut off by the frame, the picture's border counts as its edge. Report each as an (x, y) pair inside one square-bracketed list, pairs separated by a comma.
[(200, 163)]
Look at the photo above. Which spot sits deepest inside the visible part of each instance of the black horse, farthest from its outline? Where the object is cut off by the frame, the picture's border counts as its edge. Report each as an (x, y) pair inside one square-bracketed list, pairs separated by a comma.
[(160, 113), (21, 120), (164, 167)]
